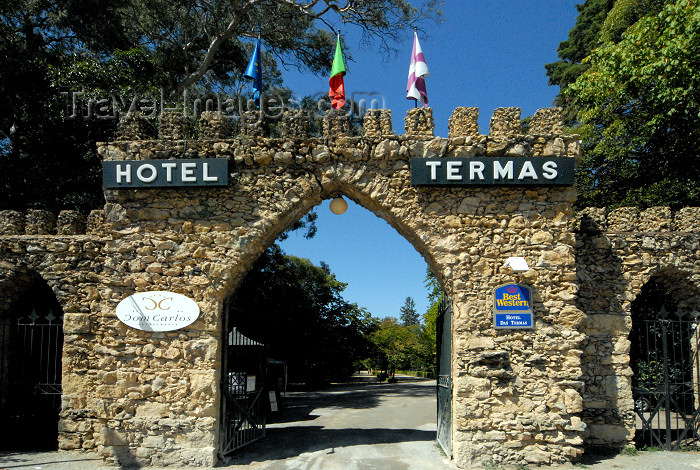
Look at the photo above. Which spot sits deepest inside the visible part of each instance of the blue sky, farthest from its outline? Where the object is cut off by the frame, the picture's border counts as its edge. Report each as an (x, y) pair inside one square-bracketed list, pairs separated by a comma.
[(486, 54)]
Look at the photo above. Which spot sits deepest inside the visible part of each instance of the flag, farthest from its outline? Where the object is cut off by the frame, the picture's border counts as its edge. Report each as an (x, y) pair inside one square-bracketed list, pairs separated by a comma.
[(337, 92), (416, 74), (254, 72)]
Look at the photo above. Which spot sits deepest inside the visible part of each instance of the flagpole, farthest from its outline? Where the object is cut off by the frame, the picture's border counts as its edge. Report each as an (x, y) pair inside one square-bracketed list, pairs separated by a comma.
[(415, 100)]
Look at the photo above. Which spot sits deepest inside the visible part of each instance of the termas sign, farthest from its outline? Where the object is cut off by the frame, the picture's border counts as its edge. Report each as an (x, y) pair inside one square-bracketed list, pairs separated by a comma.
[(492, 171), (512, 306), (165, 173)]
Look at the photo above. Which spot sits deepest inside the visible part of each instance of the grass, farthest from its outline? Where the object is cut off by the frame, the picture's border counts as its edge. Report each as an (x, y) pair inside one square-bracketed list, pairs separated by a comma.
[(629, 450)]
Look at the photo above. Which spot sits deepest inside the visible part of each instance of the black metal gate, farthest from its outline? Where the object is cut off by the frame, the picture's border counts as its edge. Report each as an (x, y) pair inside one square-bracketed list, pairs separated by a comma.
[(245, 403), (444, 375), (31, 344), (664, 358)]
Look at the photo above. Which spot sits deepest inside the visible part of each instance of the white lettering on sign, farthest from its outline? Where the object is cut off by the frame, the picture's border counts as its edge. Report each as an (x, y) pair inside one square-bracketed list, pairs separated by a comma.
[(476, 168), (157, 311), (169, 167), (124, 173), (188, 172), (165, 173), (453, 171), (550, 170), (205, 174), (489, 171), (433, 168), (503, 171)]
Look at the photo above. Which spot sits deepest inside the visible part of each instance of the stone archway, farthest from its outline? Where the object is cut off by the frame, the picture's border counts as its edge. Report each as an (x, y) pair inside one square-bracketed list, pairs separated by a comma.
[(519, 388)]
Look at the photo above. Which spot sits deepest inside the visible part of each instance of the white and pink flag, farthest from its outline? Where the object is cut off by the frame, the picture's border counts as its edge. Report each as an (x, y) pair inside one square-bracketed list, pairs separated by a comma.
[(416, 75)]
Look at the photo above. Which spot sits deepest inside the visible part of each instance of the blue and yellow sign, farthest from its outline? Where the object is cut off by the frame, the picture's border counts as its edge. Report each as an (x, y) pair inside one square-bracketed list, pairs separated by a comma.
[(512, 306)]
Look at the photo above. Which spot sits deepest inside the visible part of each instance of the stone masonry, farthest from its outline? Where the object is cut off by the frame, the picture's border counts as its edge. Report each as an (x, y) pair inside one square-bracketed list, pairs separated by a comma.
[(520, 396)]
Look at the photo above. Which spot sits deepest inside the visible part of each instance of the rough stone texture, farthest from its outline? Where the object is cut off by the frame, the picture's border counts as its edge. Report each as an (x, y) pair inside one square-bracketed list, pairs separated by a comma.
[(336, 124), (174, 125), (520, 397), (377, 122), (254, 124), (134, 126), (612, 266), (464, 122), (71, 223), (296, 124), (547, 121), (505, 122), (419, 122), (39, 222), (215, 125), (11, 223)]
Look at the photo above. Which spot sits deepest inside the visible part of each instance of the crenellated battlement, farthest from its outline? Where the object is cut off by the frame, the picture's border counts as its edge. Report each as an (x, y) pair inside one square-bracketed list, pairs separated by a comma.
[(631, 219), (419, 124), (42, 222)]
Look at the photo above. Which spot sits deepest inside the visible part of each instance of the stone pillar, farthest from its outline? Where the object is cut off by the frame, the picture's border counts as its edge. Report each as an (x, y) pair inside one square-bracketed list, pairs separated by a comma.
[(623, 219), (505, 122), (336, 124), (134, 126), (296, 123), (419, 122), (11, 223), (215, 125), (71, 223), (546, 121), (377, 123), (464, 122), (174, 125), (254, 124), (39, 222), (95, 221)]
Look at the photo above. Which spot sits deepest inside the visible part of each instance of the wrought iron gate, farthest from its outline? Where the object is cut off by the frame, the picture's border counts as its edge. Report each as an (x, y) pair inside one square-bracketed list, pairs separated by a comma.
[(244, 405), (666, 379), (444, 375), (31, 343)]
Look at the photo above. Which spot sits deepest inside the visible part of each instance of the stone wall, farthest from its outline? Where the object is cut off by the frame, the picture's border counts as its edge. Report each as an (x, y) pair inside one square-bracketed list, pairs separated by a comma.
[(617, 253), (153, 398)]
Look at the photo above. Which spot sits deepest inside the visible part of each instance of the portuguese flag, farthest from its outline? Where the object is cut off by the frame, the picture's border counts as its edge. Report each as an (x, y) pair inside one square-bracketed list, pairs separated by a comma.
[(337, 92)]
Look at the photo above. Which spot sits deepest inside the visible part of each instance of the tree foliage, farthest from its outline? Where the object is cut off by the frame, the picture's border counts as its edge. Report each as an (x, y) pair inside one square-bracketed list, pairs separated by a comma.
[(409, 315), (297, 310), (129, 47), (639, 103)]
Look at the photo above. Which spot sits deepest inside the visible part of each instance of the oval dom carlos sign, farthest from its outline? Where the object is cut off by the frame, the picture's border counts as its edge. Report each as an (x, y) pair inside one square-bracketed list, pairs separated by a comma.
[(157, 311)]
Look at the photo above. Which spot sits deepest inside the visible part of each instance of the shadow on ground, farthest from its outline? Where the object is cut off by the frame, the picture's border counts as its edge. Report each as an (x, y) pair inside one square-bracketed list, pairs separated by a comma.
[(292, 441)]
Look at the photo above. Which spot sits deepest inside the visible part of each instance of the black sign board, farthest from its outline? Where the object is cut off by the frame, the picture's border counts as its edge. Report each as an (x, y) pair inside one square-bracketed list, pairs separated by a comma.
[(493, 171), (165, 173)]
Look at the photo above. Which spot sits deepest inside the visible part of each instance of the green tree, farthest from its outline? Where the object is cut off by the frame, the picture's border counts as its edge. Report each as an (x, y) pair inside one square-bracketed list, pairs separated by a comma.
[(639, 103), (399, 344), (429, 333), (297, 310), (409, 315), (583, 38), (128, 47)]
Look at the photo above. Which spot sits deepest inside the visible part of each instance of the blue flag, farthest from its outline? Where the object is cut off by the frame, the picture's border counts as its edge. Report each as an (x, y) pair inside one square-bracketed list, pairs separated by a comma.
[(254, 72)]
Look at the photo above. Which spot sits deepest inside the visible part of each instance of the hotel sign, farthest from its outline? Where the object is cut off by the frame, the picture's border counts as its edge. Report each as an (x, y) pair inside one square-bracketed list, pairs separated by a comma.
[(512, 307), (165, 173), (157, 311), (492, 171)]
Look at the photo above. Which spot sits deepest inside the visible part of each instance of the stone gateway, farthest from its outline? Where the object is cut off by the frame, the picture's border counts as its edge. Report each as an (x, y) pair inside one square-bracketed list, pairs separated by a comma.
[(520, 396)]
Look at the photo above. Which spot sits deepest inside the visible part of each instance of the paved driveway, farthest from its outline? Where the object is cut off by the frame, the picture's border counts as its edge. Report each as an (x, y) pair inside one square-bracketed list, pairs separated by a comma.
[(353, 427)]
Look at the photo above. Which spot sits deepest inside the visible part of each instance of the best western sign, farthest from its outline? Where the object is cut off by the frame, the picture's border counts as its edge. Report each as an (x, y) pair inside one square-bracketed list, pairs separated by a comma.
[(490, 171), (512, 306), (165, 173)]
